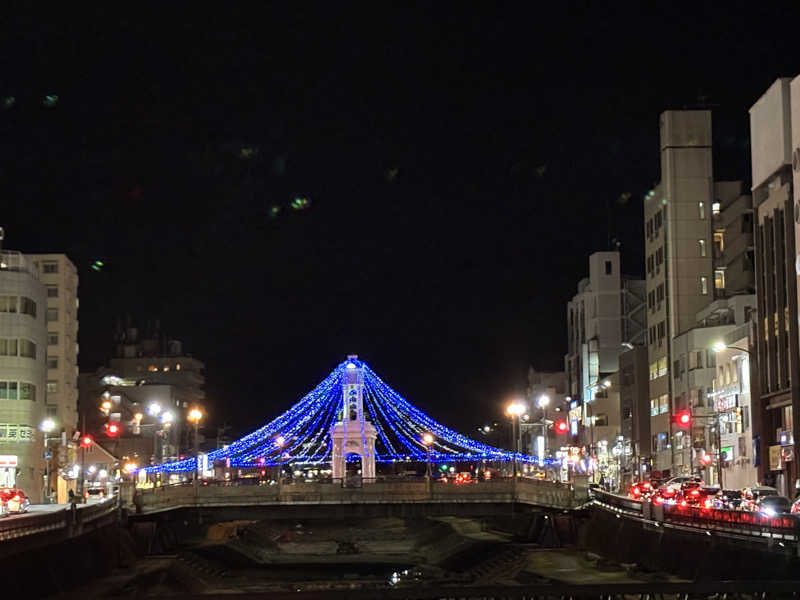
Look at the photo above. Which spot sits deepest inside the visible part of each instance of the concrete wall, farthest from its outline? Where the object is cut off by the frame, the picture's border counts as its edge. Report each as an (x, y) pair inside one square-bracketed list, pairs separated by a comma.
[(770, 132)]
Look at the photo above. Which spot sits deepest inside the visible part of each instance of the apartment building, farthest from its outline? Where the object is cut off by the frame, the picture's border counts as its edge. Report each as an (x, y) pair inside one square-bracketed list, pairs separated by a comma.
[(60, 279), (605, 318), (23, 373), (775, 155)]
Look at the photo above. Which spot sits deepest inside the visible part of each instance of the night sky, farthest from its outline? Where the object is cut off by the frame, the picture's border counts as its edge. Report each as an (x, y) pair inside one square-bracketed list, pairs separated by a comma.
[(460, 165)]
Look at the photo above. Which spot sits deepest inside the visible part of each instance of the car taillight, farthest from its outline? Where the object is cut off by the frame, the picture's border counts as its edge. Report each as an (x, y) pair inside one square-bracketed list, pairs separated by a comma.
[(694, 493), (683, 502)]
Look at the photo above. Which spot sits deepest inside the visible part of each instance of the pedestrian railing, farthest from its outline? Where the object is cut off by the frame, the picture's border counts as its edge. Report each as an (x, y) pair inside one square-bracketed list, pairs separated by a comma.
[(70, 520)]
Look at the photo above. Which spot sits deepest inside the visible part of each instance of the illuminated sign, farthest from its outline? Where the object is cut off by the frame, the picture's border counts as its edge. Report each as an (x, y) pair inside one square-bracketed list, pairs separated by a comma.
[(725, 403), (8, 460)]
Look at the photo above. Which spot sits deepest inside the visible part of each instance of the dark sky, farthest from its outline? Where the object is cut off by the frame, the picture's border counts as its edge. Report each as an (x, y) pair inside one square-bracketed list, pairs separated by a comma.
[(460, 166)]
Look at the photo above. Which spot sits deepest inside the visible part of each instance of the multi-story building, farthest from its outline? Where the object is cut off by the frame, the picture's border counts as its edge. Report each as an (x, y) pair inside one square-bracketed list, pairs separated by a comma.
[(23, 373), (146, 390), (775, 140), (60, 279), (733, 411), (604, 318), (634, 412), (697, 248)]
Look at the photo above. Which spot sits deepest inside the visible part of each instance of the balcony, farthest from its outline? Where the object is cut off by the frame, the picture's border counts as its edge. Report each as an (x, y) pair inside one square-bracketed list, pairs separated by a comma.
[(11, 260)]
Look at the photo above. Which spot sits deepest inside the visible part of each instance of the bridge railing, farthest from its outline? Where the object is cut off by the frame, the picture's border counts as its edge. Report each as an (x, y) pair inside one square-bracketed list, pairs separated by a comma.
[(381, 490), (70, 519), (739, 522)]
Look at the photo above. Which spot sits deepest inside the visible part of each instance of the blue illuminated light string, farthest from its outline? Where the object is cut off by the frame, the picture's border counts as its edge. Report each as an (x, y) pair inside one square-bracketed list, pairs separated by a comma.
[(306, 427)]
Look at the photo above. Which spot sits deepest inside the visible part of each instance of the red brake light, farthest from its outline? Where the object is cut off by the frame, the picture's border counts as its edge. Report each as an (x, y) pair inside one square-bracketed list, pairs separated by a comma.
[(695, 492)]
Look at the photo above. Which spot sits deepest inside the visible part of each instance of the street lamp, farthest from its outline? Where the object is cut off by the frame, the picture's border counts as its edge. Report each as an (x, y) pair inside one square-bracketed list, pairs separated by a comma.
[(543, 402), (194, 416), (427, 439), (47, 426), (515, 410)]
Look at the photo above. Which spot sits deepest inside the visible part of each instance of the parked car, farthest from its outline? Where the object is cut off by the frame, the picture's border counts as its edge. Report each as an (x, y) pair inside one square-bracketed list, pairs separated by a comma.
[(641, 490), (774, 505), (729, 500), (15, 500), (464, 477), (96, 494)]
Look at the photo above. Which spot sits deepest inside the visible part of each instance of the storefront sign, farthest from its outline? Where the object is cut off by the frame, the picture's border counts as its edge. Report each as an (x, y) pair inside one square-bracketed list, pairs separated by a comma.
[(10, 432), (774, 458), (727, 453), (787, 453), (8, 460), (725, 403)]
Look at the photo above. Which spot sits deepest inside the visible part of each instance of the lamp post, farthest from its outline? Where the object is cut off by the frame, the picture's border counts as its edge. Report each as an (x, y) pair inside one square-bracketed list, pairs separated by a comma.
[(515, 410), (47, 426), (427, 439), (194, 416), (543, 402)]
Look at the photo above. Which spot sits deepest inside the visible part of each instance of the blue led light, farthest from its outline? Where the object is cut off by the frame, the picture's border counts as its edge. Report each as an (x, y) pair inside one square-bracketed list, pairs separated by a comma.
[(301, 435)]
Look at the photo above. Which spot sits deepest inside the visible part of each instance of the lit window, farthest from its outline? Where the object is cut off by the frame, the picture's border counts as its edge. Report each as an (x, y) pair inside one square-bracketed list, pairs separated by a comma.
[(702, 244), (704, 286), (178, 367), (715, 208), (719, 241), (166, 368), (719, 279), (152, 368), (662, 366), (702, 208), (52, 386), (663, 404)]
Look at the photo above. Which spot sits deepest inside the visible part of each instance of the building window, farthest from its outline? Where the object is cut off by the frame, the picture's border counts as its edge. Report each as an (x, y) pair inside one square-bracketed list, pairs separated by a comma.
[(715, 208), (178, 367), (704, 286), (8, 390), (152, 368), (702, 245), (8, 346), (662, 366), (52, 411), (662, 330), (719, 279), (653, 407), (27, 391), (52, 386), (52, 339), (608, 267), (719, 242), (52, 362), (27, 348), (50, 267), (660, 292), (52, 315), (663, 404), (27, 306), (654, 370), (52, 291), (701, 207), (8, 304), (166, 368)]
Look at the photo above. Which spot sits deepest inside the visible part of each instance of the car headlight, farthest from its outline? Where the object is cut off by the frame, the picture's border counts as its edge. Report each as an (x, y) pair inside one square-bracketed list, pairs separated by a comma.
[(770, 512)]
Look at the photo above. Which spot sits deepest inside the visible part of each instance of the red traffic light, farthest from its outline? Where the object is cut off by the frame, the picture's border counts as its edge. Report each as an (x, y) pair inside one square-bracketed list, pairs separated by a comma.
[(561, 427), (683, 418), (86, 441), (706, 459), (112, 429)]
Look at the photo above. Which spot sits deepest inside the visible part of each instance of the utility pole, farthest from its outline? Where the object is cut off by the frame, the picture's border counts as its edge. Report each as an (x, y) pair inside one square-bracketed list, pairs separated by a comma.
[(83, 460)]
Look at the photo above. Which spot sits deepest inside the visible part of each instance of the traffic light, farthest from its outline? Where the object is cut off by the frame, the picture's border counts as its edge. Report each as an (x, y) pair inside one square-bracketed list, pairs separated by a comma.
[(443, 468), (112, 429), (705, 459), (683, 418), (86, 441), (561, 427)]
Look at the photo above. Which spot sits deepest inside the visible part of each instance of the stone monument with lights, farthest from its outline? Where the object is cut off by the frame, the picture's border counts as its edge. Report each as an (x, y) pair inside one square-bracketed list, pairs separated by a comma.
[(353, 436)]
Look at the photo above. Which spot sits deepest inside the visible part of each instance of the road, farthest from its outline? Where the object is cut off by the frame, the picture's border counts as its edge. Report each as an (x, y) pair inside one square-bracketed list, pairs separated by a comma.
[(38, 509)]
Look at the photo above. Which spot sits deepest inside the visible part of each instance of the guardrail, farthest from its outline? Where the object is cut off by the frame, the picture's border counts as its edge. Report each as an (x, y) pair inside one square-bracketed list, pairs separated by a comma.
[(744, 523), (70, 520)]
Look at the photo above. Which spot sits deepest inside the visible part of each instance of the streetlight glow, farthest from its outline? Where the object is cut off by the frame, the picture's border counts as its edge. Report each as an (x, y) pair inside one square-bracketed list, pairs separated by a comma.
[(130, 467), (195, 415), (427, 439), (280, 440), (154, 409), (543, 400), (719, 346), (167, 417), (515, 409), (47, 425)]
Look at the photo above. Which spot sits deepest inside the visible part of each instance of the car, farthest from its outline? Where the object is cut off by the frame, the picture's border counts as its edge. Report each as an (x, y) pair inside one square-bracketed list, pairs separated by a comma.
[(642, 490), (729, 500), (15, 500), (772, 506), (693, 494), (464, 477), (92, 495), (795, 510)]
